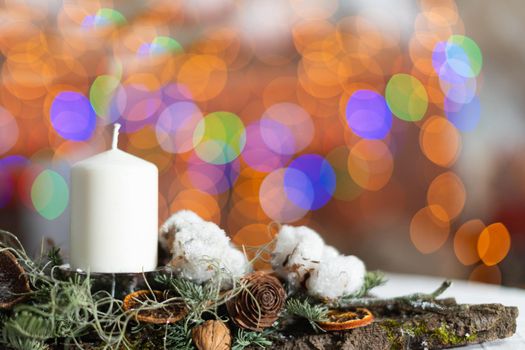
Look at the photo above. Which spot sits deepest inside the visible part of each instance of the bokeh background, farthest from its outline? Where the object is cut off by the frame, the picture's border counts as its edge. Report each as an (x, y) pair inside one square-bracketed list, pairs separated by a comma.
[(394, 128)]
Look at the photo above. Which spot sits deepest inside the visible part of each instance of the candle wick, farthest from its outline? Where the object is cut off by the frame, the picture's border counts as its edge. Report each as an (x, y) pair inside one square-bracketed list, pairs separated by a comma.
[(116, 129)]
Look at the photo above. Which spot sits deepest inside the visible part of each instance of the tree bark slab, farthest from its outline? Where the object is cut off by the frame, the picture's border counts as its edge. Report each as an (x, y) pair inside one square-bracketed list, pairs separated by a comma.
[(404, 328)]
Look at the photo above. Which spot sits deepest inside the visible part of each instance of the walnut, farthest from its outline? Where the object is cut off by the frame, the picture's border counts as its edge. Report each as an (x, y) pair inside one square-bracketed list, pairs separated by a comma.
[(212, 335)]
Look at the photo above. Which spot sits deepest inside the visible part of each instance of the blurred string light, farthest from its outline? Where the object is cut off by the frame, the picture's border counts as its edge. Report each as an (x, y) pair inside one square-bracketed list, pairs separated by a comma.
[(286, 128), (466, 241), (101, 93), (103, 18), (258, 154), (458, 62), (219, 138), (212, 178), (447, 193), (136, 105), (249, 120), (493, 244), (275, 199), (176, 126), (309, 181), (72, 116), (464, 116), (160, 45), (368, 115), (429, 231), (49, 194), (407, 98), (370, 164), (440, 141)]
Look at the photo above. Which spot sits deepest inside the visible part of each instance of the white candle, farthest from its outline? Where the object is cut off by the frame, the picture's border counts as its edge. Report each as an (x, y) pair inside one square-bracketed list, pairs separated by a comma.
[(114, 213)]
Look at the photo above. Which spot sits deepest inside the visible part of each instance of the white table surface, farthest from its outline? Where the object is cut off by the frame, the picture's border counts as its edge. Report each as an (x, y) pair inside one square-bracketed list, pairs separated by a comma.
[(464, 292)]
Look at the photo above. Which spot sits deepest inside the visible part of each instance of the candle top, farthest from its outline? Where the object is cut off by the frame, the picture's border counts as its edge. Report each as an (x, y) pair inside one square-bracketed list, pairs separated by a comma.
[(114, 157)]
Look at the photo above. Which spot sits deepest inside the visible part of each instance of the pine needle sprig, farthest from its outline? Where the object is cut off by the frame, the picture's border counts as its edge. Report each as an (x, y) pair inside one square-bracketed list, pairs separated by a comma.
[(18, 343), (244, 338), (372, 280), (54, 257), (308, 310), (193, 294), (177, 336), (198, 298), (204, 299), (26, 324)]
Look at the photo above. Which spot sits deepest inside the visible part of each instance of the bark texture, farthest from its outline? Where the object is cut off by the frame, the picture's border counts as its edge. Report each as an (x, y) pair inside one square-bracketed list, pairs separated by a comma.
[(399, 327)]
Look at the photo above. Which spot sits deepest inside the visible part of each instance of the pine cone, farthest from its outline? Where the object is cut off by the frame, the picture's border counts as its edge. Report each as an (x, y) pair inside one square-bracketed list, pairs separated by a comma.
[(14, 284), (258, 306), (212, 335)]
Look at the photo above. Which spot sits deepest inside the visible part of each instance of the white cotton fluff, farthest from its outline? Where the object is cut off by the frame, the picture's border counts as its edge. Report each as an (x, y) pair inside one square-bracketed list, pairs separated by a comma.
[(297, 252), (329, 252), (235, 262), (200, 249), (171, 226), (337, 276)]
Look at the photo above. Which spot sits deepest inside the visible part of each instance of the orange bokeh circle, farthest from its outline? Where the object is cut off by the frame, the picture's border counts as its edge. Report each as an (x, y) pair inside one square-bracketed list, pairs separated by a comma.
[(440, 141), (494, 244), (427, 231), (448, 193), (466, 241)]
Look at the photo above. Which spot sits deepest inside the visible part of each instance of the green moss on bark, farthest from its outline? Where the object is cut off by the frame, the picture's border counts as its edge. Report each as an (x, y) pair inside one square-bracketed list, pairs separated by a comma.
[(399, 333)]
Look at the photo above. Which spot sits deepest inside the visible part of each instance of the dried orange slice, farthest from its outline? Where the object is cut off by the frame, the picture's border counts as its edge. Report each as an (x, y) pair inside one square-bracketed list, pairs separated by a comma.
[(339, 320), (143, 302)]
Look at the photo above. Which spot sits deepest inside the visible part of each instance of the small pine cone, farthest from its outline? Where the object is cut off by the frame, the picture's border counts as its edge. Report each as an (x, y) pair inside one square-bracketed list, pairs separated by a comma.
[(259, 305), (14, 284), (212, 335)]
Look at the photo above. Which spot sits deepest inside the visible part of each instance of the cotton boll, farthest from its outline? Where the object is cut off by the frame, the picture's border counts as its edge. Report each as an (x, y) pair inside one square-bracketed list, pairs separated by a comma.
[(287, 240), (297, 252), (202, 251), (336, 277), (180, 217), (329, 252), (171, 226), (198, 248), (235, 264)]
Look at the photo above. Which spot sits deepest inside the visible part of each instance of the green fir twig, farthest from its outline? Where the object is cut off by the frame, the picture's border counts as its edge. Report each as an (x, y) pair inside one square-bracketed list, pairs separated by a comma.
[(178, 337), (308, 310), (54, 257), (372, 280), (244, 339)]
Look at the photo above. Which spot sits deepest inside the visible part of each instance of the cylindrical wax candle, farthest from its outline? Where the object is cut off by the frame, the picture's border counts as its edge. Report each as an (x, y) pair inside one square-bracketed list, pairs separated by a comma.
[(114, 213)]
